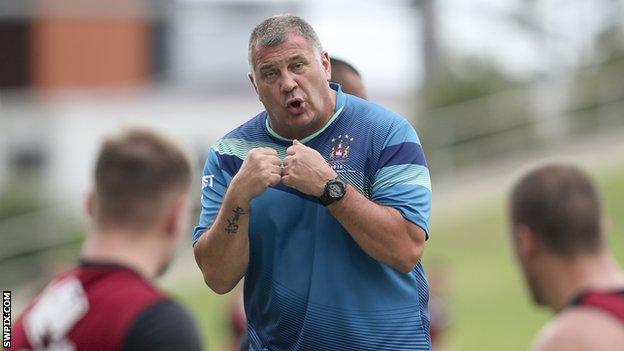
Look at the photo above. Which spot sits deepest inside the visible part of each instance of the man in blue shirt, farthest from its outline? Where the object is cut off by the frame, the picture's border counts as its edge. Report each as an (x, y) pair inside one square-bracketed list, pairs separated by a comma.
[(322, 203)]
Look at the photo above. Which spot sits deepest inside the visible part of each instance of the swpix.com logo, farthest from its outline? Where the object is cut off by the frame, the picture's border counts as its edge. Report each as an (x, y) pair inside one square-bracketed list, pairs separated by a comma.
[(6, 319)]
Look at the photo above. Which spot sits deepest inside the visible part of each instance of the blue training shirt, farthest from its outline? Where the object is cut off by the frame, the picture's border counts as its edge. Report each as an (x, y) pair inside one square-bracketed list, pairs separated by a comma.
[(309, 286)]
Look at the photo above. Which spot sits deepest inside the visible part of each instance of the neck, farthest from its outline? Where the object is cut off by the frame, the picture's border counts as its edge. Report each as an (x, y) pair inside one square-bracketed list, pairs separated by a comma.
[(138, 251), (331, 106), (572, 277)]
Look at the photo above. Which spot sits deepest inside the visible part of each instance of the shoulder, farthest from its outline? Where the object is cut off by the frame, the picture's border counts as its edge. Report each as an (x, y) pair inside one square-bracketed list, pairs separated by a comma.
[(243, 138), (124, 284), (165, 325), (387, 126), (372, 111), (252, 129), (581, 328)]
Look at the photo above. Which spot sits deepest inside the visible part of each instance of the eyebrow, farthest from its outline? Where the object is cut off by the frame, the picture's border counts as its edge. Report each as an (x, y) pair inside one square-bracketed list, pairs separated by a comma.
[(266, 66), (297, 57)]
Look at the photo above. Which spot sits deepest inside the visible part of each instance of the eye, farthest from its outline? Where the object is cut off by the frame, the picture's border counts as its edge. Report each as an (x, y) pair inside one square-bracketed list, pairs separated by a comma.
[(269, 75), (297, 66)]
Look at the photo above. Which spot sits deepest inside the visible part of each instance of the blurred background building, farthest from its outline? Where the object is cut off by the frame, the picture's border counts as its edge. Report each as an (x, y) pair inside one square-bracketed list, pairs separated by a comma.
[(490, 86)]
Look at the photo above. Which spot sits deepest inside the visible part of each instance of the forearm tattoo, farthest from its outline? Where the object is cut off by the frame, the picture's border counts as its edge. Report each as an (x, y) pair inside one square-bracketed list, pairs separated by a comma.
[(232, 226)]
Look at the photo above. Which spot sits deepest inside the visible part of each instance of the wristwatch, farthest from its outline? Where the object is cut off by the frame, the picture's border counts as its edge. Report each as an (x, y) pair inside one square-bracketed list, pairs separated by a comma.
[(335, 190)]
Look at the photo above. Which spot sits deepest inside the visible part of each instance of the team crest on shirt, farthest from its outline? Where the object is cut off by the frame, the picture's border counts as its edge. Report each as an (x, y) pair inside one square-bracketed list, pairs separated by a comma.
[(339, 153), (340, 148)]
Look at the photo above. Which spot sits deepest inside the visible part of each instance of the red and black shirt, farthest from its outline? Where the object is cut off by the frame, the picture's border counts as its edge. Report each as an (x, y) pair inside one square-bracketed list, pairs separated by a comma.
[(102, 306), (611, 302)]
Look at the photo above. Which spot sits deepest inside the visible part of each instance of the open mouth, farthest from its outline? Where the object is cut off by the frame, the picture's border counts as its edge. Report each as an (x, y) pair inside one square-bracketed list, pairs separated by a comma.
[(295, 106), (295, 103)]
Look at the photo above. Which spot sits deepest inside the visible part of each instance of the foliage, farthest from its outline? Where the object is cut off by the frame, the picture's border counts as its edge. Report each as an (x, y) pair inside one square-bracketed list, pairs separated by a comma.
[(464, 80), (18, 197), (597, 93), (473, 112)]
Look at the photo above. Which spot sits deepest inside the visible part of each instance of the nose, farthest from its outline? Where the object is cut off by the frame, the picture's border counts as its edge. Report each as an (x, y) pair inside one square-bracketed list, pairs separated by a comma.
[(288, 83)]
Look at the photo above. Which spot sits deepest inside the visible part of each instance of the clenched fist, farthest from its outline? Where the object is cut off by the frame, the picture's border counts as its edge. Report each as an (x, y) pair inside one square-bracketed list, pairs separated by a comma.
[(306, 170), (260, 170)]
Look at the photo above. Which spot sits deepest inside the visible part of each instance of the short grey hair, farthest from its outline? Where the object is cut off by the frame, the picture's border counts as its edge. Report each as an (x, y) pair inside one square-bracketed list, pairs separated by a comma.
[(274, 30)]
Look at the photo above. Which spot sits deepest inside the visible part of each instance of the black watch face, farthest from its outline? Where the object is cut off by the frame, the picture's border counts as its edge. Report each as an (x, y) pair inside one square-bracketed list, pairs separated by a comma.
[(335, 190)]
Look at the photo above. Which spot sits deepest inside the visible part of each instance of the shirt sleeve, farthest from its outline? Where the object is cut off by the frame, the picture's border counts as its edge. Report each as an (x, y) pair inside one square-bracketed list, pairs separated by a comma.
[(214, 184), (163, 326), (402, 178)]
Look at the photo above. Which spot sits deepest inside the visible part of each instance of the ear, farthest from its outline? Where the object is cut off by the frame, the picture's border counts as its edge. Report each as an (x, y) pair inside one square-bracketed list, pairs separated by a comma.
[(90, 204), (326, 63), (253, 82), (178, 216), (527, 242)]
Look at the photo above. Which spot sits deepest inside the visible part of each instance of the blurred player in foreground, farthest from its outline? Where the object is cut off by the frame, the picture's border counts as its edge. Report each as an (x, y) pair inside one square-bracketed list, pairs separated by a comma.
[(560, 245), (139, 209)]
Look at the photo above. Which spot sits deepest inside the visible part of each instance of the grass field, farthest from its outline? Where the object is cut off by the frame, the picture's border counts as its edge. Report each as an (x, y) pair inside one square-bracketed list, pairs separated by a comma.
[(490, 309)]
